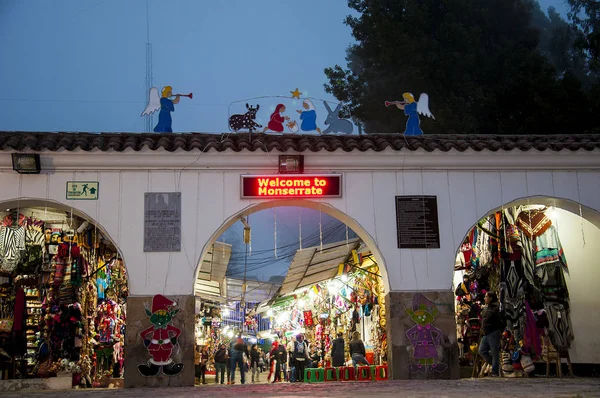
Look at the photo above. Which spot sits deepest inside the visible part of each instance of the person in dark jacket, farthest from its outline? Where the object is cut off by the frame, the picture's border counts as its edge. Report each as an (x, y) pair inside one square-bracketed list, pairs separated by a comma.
[(254, 359), (237, 359), (282, 359), (221, 358), (357, 350), (337, 351), (491, 327), (300, 357)]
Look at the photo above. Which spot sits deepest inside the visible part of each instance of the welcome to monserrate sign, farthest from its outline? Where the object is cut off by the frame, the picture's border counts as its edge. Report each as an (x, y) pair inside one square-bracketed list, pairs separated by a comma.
[(291, 187)]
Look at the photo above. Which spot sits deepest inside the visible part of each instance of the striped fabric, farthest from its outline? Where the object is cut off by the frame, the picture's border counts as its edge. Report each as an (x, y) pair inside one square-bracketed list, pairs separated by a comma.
[(12, 243), (34, 235)]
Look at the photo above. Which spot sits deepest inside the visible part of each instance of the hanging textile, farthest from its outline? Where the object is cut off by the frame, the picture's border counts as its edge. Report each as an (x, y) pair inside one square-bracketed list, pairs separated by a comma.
[(12, 244), (533, 223), (532, 336), (528, 258), (559, 326), (512, 292), (549, 254)]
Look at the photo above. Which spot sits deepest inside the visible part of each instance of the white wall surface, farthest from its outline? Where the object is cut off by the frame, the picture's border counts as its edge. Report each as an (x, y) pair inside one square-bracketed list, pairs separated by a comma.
[(580, 242), (211, 202)]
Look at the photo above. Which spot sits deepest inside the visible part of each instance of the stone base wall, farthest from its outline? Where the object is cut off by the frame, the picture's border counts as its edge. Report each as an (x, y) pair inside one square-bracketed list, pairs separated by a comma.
[(431, 352), (137, 354)]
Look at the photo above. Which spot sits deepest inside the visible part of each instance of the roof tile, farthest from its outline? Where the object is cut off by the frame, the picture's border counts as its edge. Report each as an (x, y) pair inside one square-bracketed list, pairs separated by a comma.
[(258, 142)]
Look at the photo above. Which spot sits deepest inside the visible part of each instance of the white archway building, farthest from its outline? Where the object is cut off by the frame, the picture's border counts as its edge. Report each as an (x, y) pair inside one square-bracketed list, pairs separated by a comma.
[(469, 175)]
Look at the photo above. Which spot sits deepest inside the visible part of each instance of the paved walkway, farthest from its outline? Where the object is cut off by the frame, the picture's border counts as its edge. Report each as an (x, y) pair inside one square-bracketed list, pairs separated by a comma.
[(484, 388)]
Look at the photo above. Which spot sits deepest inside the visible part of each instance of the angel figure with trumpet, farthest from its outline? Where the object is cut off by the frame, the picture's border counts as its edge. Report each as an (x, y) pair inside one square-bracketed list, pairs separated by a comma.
[(166, 106), (413, 109)]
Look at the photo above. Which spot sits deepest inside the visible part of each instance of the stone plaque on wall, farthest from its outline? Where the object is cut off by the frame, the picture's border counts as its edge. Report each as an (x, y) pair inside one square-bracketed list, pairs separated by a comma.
[(417, 222), (162, 221)]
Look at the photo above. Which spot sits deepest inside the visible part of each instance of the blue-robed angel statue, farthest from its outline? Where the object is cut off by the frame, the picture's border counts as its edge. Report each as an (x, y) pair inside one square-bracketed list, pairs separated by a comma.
[(166, 103), (413, 109)]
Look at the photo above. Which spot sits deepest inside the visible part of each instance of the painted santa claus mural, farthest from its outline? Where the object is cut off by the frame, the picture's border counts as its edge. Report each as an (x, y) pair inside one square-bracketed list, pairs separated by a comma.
[(160, 339)]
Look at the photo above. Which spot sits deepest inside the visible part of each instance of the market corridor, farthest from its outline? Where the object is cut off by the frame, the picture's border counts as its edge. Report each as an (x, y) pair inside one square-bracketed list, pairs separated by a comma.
[(539, 387)]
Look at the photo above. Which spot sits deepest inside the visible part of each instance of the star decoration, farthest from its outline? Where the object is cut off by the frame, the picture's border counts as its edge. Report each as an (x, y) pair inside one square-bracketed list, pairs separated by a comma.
[(296, 93)]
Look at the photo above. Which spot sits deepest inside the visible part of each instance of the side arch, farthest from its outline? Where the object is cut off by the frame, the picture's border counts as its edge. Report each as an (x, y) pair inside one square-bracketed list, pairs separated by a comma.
[(35, 202), (590, 214), (319, 206)]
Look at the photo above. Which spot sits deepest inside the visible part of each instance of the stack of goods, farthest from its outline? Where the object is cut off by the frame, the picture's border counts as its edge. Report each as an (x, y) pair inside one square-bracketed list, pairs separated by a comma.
[(65, 297)]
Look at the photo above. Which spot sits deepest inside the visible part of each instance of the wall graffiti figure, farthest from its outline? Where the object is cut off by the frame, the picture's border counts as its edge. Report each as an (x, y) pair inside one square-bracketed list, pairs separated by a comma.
[(160, 339), (424, 337)]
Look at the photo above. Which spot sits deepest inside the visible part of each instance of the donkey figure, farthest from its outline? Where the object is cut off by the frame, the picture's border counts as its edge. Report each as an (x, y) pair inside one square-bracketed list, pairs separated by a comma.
[(245, 121), (334, 123)]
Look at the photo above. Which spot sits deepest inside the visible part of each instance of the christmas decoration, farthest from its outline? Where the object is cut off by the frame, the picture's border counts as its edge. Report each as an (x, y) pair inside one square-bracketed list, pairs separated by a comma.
[(413, 109), (166, 106), (160, 338)]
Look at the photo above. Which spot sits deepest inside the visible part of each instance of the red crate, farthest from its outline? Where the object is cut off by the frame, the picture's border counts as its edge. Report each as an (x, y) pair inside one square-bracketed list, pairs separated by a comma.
[(381, 372), (364, 373), (347, 373)]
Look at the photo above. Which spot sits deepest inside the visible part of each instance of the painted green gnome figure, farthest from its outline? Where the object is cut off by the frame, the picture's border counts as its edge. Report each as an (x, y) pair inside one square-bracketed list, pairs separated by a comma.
[(161, 338), (424, 336)]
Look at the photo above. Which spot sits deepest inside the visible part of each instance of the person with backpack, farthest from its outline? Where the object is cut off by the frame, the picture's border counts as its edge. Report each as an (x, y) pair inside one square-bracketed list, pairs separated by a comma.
[(300, 357), (221, 363), (237, 359)]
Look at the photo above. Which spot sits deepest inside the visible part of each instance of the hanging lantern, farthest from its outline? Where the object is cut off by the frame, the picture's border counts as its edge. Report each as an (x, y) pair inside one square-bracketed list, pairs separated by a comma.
[(308, 318)]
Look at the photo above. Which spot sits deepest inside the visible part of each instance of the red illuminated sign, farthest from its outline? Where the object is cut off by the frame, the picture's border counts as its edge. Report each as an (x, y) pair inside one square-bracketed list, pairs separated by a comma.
[(291, 186)]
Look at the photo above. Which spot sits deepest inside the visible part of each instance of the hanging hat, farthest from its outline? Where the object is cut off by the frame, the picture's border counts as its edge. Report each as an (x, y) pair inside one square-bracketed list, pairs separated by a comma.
[(160, 302)]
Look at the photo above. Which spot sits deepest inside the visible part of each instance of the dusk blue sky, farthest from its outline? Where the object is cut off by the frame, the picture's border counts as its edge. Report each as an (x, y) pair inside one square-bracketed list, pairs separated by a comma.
[(79, 65)]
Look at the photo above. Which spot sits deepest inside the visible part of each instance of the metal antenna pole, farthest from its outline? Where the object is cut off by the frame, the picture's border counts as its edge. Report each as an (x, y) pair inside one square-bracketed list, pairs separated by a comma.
[(149, 121)]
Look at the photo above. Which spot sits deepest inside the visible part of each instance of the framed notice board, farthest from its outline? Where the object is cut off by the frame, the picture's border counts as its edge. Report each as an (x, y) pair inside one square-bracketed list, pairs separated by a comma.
[(162, 221), (417, 225)]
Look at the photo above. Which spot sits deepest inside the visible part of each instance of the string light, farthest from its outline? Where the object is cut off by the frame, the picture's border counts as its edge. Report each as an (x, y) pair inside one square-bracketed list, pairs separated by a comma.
[(300, 228), (320, 231)]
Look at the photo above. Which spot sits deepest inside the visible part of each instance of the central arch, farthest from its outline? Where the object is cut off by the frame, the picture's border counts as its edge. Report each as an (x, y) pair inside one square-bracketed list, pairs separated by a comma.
[(318, 206)]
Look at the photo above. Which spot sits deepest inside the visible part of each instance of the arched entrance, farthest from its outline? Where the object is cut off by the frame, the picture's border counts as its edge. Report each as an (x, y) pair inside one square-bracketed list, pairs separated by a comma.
[(63, 285), (318, 206), (303, 302), (536, 254)]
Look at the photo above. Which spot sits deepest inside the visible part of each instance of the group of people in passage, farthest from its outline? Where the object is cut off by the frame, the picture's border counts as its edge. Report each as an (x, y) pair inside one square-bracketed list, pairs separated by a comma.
[(285, 362)]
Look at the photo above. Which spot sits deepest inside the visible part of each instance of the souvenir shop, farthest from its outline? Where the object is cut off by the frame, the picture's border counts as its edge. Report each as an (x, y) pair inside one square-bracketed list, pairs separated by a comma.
[(217, 323), (62, 299), (516, 253), (351, 302)]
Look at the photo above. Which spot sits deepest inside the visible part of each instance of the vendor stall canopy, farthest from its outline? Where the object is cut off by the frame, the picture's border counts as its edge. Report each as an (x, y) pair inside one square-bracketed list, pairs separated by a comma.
[(210, 283), (317, 264)]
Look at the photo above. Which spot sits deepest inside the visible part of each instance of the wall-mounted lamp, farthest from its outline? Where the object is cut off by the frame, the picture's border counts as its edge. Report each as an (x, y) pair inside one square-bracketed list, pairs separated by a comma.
[(26, 163), (291, 164)]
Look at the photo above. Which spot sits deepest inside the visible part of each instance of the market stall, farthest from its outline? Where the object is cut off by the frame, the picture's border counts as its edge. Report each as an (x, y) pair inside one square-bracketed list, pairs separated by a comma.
[(516, 253), (63, 287), (329, 290)]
